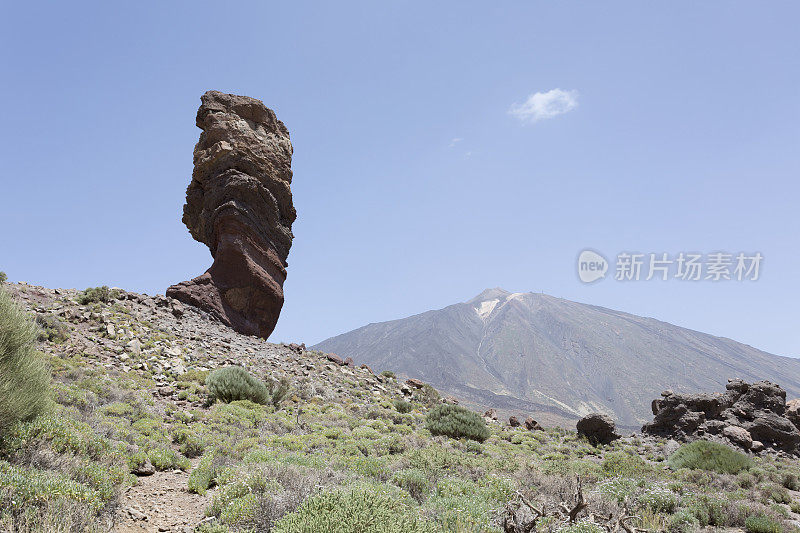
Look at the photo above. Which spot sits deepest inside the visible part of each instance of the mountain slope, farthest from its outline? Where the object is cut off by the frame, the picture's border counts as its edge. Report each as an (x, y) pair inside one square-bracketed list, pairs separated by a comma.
[(560, 359)]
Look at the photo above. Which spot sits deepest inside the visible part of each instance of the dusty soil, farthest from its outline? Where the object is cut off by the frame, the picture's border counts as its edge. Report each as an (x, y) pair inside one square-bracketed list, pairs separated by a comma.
[(160, 502)]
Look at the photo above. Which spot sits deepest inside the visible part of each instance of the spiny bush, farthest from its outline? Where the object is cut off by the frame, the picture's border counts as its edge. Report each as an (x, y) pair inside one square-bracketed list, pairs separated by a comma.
[(97, 294), (712, 456), (790, 481), (388, 374), (235, 383), (53, 329), (624, 464), (24, 378), (456, 422), (278, 390), (3, 277), (762, 524), (403, 406), (360, 509)]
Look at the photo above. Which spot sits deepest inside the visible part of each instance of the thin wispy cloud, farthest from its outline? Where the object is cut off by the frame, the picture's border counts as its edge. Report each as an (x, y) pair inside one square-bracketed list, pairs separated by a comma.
[(454, 142), (542, 106)]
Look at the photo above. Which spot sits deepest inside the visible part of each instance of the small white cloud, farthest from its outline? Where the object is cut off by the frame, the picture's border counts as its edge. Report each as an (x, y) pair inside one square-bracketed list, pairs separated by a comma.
[(541, 106), (454, 142)]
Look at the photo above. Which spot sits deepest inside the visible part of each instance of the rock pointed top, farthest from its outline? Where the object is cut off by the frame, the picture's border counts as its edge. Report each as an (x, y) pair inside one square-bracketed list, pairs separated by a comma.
[(490, 294)]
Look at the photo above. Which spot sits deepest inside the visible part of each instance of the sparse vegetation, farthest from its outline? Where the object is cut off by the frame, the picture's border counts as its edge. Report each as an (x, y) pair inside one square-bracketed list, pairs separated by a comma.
[(706, 455), (331, 447), (3, 277), (456, 422)]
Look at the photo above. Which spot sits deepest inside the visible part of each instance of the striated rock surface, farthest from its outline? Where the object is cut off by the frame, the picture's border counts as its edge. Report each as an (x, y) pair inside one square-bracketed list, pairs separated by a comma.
[(750, 416), (239, 204)]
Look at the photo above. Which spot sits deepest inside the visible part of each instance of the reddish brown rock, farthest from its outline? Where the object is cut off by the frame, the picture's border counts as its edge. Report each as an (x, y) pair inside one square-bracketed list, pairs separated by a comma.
[(413, 382), (333, 358), (239, 204), (532, 424), (513, 421)]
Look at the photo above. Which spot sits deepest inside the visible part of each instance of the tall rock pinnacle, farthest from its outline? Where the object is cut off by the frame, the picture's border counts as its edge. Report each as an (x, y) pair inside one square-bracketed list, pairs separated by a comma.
[(239, 204)]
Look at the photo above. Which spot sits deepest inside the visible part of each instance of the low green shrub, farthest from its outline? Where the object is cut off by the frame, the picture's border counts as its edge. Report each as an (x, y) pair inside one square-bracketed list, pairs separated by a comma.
[(388, 374), (790, 481), (191, 445), (24, 377), (413, 481), (359, 509), (96, 294), (166, 459), (624, 464), (762, 524), (403, 406), (278, 390), (779, 495), (52, 329), (235, 383), (711, 456), (456, 422), (682, 522), (3, 277), (205, 475)]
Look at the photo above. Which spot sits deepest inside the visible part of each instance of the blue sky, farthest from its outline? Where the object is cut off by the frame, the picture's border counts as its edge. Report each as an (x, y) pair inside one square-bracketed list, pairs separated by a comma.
[(416, 183)]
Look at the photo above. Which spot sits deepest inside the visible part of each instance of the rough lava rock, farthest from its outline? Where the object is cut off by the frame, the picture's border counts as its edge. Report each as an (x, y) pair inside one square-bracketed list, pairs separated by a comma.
[(750, 416), (239, 204), (598, 428)]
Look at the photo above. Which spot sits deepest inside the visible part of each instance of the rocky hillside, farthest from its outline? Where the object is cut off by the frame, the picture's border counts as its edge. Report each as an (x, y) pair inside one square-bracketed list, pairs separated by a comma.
[(533, 353), (134, 443)]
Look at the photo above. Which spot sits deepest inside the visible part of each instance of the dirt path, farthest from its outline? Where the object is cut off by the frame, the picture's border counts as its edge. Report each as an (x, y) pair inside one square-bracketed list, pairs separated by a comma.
[(160, 502)]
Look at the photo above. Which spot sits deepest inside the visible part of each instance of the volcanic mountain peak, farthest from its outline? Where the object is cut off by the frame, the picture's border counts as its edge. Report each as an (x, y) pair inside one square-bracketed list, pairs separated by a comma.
[(559, 359)]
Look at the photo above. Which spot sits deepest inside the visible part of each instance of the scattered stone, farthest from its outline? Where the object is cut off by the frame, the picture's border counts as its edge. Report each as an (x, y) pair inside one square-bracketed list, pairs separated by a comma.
[(739, 436), (513, 421), (239, 204), (177, 309), (134, 346), (491, 414), (146, 469), (598, 428)]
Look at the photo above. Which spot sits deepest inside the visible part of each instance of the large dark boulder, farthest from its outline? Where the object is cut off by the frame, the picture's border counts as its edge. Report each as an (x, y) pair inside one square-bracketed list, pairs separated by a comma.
[(598, 428)]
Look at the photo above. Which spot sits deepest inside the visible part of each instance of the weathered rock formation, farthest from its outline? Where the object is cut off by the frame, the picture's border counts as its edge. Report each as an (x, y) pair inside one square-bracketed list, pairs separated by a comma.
[(598, 428), (239, 204), (750, 416)]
